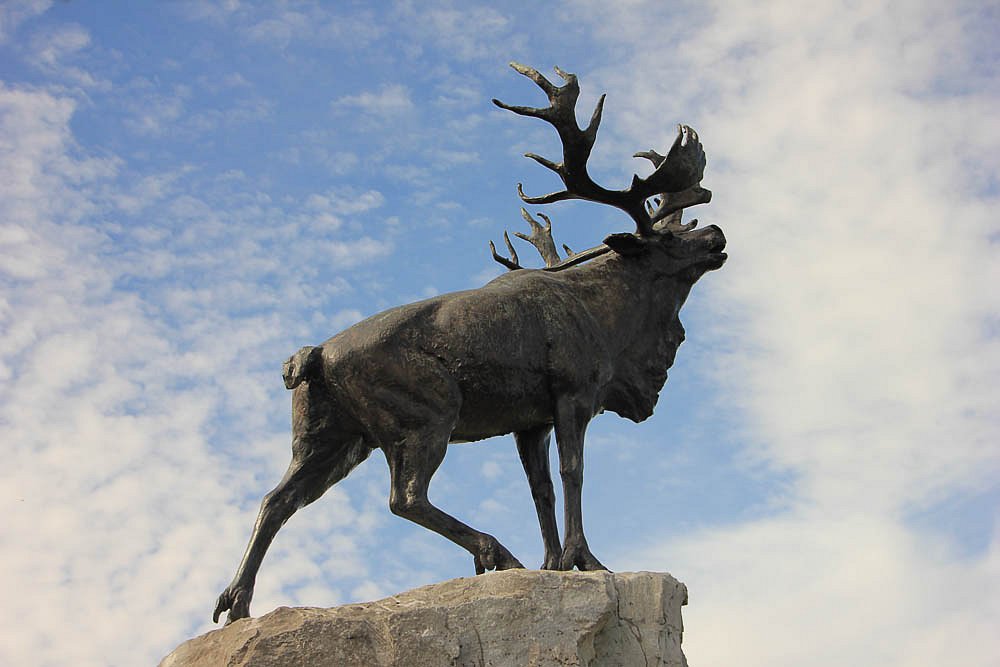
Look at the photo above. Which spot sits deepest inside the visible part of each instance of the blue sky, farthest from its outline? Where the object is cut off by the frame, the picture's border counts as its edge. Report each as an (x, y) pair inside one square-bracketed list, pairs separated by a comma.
[(189, 192)]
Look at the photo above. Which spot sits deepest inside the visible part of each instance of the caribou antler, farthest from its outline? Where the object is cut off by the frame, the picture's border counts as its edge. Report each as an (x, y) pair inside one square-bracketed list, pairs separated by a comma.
[(513, 263), (669, 206), (541, 238), (675, 177)]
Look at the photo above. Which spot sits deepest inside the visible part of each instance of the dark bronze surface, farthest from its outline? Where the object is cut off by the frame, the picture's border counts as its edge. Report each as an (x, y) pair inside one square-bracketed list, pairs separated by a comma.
[(532, 351)]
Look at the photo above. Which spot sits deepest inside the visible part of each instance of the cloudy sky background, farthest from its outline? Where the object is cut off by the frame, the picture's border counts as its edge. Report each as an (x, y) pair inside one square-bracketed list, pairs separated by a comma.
[(190, 192)]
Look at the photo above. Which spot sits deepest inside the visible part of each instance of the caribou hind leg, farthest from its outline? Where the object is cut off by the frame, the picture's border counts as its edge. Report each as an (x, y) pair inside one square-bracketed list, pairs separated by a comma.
[(322, 455), (533, 448), (308, 477), (413, 460)]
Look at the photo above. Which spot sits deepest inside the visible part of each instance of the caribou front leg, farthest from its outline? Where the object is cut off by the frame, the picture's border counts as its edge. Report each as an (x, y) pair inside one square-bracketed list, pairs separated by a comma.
[(412, 461), (571, 425), (533, 447)]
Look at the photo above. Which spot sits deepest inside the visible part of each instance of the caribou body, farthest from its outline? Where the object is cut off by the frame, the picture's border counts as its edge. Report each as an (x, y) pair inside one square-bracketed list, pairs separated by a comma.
[(532, 351)]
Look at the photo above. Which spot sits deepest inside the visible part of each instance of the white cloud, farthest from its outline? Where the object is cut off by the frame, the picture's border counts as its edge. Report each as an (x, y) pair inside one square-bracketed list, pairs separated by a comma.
[(247, 110), (491, 469), (226, 82), (453, 158), (15, 12), (346, 202), (858, 352), (282, 27), (38, 159), (351, 253), (465, 32), (389, 100), (213, 12), (88, 416), (153, 112), (344, 318), (54, 49), (146, 307), (147, 191), (856, 293), (828, 588), (126, 473), (54, 45)]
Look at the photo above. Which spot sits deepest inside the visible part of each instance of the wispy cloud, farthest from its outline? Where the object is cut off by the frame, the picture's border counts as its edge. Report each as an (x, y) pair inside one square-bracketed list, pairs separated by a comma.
[(466, 32), (853, 588), (53, 45), (119, 353), (146, 191), (70, 341), (16, 12), (345, 202), (61, 53), (153, 110), (861, 357), (39, 156), (840, 370), (389, 100), (283, 26)]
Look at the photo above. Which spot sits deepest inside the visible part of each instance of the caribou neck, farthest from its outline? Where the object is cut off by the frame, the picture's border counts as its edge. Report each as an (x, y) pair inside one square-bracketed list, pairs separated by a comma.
[(622, 293)]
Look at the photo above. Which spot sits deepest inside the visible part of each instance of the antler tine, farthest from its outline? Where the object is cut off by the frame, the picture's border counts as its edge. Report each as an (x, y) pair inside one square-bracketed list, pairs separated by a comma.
[(539, 78), (678, 201), (512, 263), (550, 198), (652, 156), (522, 111), (541, 238), (510, 248), (545, 162), (551, 91)]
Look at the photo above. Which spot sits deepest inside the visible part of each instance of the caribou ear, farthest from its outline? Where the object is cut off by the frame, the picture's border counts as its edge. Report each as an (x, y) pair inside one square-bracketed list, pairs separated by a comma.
[(626, 244)]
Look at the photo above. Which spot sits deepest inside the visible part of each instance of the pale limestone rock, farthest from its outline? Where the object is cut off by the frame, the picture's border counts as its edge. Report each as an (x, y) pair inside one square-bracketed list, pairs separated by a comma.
[(516, 617)]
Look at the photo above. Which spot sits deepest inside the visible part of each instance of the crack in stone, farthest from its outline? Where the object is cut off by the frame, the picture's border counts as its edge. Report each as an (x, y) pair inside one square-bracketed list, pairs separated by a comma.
[(631, 626), (482, 656)]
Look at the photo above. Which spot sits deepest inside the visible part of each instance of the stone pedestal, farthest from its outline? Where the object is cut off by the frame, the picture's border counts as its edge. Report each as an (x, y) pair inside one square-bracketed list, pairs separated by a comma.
[(516, 617)]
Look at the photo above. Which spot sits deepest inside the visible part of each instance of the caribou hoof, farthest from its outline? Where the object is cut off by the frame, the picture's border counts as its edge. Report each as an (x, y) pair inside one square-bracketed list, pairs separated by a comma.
[(551, 562), (494, 556), (581, 558), (234, 600)]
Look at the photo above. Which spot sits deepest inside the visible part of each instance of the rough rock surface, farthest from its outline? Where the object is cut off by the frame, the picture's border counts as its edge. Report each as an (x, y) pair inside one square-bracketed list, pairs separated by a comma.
[(516, 617)]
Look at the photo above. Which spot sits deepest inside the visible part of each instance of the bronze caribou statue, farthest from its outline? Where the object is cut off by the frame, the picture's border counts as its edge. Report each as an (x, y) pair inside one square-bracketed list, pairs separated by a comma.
[(531, 351)]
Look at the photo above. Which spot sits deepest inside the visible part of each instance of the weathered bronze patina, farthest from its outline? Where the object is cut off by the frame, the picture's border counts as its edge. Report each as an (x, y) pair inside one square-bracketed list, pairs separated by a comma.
[(532, 351)]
